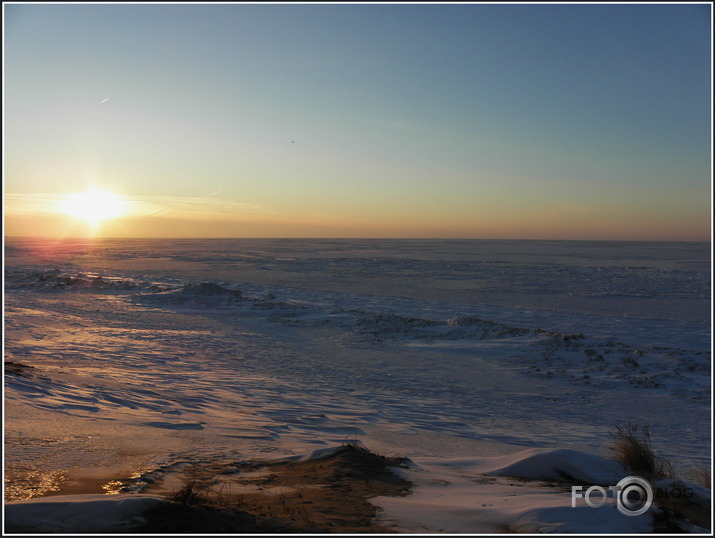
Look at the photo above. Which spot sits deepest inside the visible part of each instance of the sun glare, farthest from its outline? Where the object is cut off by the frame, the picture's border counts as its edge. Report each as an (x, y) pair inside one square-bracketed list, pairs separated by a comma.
[(93, 206)]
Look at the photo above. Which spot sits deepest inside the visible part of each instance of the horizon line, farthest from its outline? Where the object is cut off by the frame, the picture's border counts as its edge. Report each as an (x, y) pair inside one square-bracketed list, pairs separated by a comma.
[(355, 238)]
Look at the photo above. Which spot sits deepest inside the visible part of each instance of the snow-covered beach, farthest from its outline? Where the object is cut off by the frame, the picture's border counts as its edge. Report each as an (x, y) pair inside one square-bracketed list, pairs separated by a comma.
[(130, 361)]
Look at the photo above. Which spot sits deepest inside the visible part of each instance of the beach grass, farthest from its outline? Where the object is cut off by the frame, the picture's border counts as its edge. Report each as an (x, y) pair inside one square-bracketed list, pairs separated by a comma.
[(631, 446)]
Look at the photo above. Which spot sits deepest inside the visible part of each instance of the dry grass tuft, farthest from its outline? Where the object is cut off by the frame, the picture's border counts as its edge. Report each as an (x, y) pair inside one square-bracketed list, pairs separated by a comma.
[(191, 494), (633, 450)]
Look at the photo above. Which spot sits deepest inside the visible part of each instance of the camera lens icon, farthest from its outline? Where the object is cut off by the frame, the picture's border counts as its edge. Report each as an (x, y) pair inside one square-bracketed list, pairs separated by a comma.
[(634, 496)]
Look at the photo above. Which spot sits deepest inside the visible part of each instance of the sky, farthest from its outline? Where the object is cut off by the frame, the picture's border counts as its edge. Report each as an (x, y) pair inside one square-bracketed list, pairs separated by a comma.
[(529, 121)]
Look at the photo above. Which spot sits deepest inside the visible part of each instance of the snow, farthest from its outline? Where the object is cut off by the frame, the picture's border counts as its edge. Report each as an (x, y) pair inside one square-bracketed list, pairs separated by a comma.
[(451, 496), (479, 495), (203, 293), (80, 513), (465, 496), (563, 465), (493, 366), (694, 493)]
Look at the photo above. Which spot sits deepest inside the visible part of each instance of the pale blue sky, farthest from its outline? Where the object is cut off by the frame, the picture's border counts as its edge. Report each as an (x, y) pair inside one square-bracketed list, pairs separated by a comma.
[(559, 121)]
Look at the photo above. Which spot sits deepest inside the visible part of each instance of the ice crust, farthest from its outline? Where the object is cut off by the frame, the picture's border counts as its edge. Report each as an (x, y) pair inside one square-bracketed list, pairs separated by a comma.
[(220, 355)]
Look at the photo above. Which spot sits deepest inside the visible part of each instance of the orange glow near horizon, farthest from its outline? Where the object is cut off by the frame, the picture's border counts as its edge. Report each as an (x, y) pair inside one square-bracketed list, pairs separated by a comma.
[(100, 213)]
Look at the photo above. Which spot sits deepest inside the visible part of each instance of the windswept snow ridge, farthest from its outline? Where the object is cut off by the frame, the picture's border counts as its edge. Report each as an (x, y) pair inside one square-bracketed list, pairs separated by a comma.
[(202, 294)]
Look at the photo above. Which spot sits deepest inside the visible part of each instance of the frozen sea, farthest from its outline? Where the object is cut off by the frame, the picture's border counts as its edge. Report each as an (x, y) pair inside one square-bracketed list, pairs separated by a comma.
[(132, 357)]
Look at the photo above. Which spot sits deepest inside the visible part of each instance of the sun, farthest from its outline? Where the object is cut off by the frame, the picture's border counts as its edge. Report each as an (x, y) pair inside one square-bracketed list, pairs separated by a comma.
[(93, 206)]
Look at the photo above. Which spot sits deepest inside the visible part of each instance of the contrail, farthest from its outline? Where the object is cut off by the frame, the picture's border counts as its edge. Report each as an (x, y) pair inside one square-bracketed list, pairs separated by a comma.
[(183, 205), (197, 200), (206, 196)]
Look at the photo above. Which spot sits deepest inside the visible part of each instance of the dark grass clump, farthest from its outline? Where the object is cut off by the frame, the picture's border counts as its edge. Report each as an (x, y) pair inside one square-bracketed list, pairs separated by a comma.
[(632, 448), (191, 494)]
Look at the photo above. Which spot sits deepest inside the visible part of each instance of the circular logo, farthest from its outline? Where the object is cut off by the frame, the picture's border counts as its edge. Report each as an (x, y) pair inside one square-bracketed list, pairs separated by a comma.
[(634, 496)]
